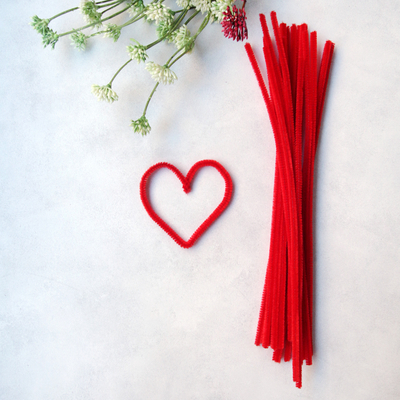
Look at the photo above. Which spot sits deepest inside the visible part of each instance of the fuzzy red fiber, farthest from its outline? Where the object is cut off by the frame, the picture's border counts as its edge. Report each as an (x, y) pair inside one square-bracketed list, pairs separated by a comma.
[(294, 101), (186, 184)]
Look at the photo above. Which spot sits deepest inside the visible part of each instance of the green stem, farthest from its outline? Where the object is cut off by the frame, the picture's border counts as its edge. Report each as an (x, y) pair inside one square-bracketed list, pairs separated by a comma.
[(132, 20), (62, 13), (202, 26), (173, 55), (173, 27), (93, 24), (112, 7), (110, 4), (169, 63), (104, 1), (148, 100), (173, 62), (191, 17), (97, 33), (115, 75), (205, 22)]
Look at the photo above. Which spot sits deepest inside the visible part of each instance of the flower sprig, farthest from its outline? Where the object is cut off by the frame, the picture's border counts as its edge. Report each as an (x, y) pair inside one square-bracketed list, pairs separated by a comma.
[(172, 26)]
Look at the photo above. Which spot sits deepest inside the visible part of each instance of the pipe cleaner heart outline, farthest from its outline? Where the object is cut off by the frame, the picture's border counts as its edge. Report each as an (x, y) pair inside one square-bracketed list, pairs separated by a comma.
[(186, 185)]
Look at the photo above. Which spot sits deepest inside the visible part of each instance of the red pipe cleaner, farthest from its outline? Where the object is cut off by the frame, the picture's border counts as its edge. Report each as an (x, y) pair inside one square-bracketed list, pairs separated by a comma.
[(186, 184), (294, 103)]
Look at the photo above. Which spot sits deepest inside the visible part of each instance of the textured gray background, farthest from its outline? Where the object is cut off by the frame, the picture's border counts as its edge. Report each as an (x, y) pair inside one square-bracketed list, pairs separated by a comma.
[(99, 303)]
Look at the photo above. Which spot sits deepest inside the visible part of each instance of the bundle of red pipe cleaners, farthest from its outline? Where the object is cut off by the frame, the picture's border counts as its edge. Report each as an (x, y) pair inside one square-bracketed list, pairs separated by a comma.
[(294, 101)]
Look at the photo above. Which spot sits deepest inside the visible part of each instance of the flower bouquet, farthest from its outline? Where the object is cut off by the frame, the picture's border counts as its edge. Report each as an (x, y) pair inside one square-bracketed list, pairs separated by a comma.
[(172, 24)]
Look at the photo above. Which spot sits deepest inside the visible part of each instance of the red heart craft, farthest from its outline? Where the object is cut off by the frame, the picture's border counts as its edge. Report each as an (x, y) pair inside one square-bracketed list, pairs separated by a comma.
[(186, 184)]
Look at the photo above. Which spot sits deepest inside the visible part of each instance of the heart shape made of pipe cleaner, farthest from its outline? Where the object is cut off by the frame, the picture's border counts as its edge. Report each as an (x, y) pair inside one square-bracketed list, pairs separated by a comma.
[(186, 185)]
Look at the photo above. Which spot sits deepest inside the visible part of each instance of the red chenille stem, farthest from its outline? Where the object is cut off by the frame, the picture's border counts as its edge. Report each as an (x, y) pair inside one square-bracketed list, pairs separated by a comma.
[(323, 77), (294, 100), (186, 185), (284, 112), (308, 176)]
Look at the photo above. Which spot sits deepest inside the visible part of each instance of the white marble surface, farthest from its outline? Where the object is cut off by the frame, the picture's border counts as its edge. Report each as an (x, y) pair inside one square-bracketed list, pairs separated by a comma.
[(99, 303)]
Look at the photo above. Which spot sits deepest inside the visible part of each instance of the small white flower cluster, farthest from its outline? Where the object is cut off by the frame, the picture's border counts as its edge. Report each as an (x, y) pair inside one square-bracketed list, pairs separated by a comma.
[(90, 14), (182, 38), (158, 12), (113, 31), (168, 23), (163, 31), (141, 126), (136, 8), (79, 40), (40, 25), (104, 93), (137, 52), (183, 3), (218, 8), (201, 5), (49, 37), (161, 73)]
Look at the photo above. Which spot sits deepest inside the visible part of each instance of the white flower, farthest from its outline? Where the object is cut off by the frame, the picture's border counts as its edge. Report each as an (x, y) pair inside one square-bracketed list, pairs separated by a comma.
[(158, 12), (50, 38), (201, 5), (79, 40), (218, 8), (113, 31), (40, 25), (182, 37), (163, 31), (137, 52), (104, 93), (90, 14), (183, 3), (161, 73), (136, 8), (141, 126)]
